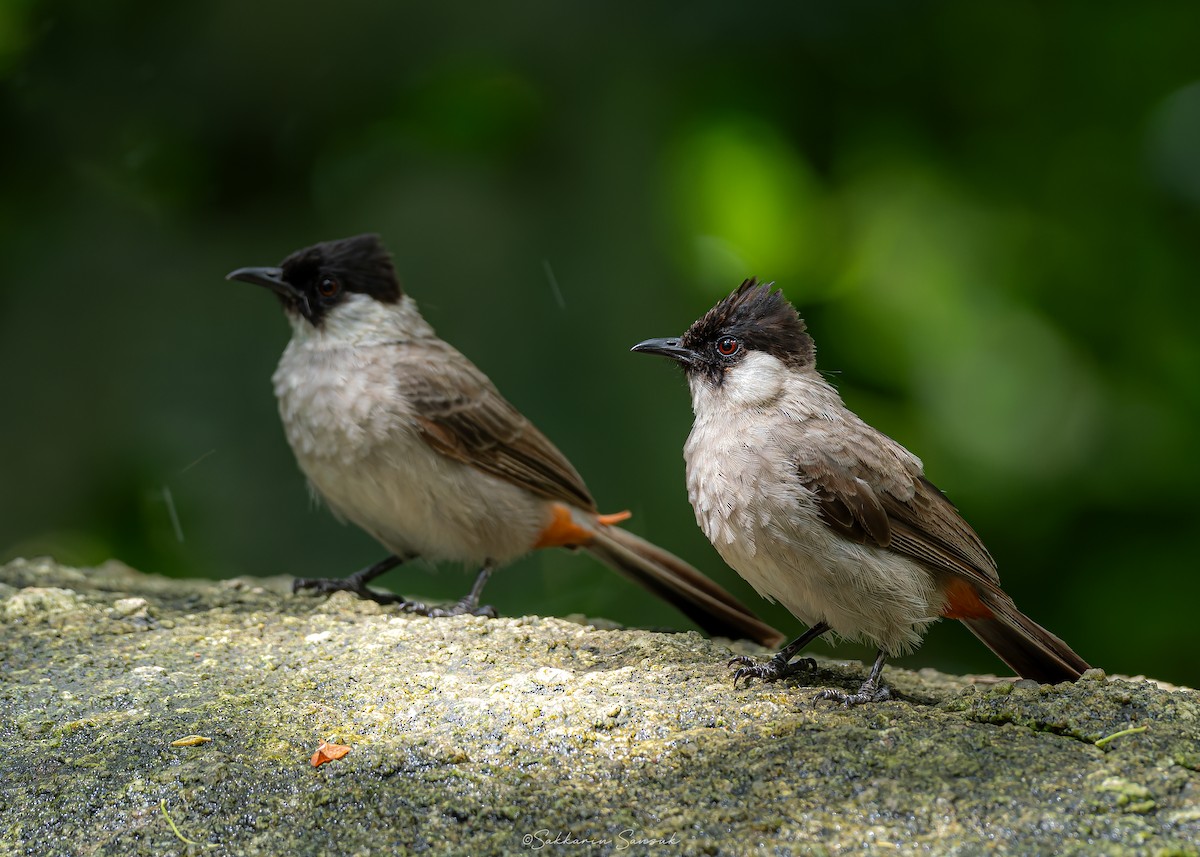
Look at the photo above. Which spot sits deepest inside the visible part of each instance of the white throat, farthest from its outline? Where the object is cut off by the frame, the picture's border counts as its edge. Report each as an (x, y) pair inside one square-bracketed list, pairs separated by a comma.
[(361, 320), (757, 381)]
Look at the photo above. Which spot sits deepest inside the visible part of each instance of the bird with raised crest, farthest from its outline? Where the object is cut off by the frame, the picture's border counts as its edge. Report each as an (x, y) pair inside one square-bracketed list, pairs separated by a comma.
[(825, 514)]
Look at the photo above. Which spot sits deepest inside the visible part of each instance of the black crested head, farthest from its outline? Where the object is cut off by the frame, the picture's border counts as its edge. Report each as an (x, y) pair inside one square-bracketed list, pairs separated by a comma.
[(328, 271), (314, 280), (751, 318)]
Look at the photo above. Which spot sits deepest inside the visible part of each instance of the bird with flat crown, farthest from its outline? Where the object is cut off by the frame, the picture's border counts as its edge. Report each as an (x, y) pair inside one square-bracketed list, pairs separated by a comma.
[(402, 435)]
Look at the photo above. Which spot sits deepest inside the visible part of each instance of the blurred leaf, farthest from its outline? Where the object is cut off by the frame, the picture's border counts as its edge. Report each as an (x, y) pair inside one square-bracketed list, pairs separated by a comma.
[(1174, 143), (747, 203), (16, 37)]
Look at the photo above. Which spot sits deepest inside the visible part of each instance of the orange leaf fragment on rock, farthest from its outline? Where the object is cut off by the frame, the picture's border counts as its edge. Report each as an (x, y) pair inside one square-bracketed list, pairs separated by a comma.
[(327, 752)]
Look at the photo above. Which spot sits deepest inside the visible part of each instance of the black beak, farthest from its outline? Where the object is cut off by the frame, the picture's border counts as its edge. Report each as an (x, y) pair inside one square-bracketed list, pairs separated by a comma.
[(668, 348), (272, 278)]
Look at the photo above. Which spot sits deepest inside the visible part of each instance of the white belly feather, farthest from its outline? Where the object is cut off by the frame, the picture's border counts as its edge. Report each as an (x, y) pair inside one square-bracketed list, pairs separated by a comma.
[(750, 503), (354, 440)]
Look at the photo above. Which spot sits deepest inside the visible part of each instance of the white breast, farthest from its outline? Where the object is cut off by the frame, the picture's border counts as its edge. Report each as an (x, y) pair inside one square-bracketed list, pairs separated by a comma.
[(744, 487), (355, 440)]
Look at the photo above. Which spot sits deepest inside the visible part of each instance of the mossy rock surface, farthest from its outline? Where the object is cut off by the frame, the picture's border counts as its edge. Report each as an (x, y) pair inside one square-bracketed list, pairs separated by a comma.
[(478, 736)]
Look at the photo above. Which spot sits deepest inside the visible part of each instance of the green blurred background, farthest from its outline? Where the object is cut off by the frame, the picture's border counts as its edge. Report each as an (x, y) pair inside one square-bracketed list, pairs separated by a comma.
[(988, 212)]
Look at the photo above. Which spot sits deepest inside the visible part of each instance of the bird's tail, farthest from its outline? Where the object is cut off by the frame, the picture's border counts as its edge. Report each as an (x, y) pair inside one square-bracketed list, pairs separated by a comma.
[(1025, 645), (673, 580)]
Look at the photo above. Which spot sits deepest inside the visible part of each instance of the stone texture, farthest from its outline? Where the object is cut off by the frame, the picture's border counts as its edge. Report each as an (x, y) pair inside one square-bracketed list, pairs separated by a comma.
[(477, 736)]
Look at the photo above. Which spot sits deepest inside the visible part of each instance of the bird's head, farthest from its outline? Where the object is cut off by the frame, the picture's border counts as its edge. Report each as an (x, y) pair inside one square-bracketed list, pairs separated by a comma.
[(746, 342), (349, 279)]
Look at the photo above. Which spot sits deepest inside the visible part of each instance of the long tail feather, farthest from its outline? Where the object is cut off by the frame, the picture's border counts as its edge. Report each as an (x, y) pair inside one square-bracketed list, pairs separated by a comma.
[(1025, 645), (673, 580)]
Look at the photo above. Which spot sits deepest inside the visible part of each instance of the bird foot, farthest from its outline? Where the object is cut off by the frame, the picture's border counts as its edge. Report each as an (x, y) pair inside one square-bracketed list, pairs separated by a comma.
[(870, 691), (328, 585), (463, 607), (773, 670)]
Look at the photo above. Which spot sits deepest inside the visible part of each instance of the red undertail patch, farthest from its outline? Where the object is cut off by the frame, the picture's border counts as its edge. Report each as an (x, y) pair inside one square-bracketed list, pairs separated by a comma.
[(963, 602), (562, 530)]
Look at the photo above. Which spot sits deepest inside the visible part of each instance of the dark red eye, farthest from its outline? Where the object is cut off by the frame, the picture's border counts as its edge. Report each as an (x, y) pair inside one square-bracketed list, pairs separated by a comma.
[(328, 287), (727, 346)]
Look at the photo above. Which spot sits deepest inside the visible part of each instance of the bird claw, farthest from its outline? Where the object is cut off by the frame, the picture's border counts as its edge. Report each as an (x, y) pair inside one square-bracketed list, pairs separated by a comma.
[(465, 607), (773, 670), (869, 692), (328, 585)]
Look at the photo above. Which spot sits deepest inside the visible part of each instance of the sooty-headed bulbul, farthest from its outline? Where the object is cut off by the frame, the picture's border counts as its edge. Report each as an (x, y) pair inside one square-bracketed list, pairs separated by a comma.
[(823, 513), (403, 436)]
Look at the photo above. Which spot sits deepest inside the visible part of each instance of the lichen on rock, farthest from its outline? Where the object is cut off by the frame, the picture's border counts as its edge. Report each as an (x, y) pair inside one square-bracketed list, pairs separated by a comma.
[(478, 736)]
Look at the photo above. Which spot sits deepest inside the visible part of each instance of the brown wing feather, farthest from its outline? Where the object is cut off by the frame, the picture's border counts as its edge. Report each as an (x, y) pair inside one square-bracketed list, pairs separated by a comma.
[(930, 529), (849, 505), (481, 428), (871, 490)]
